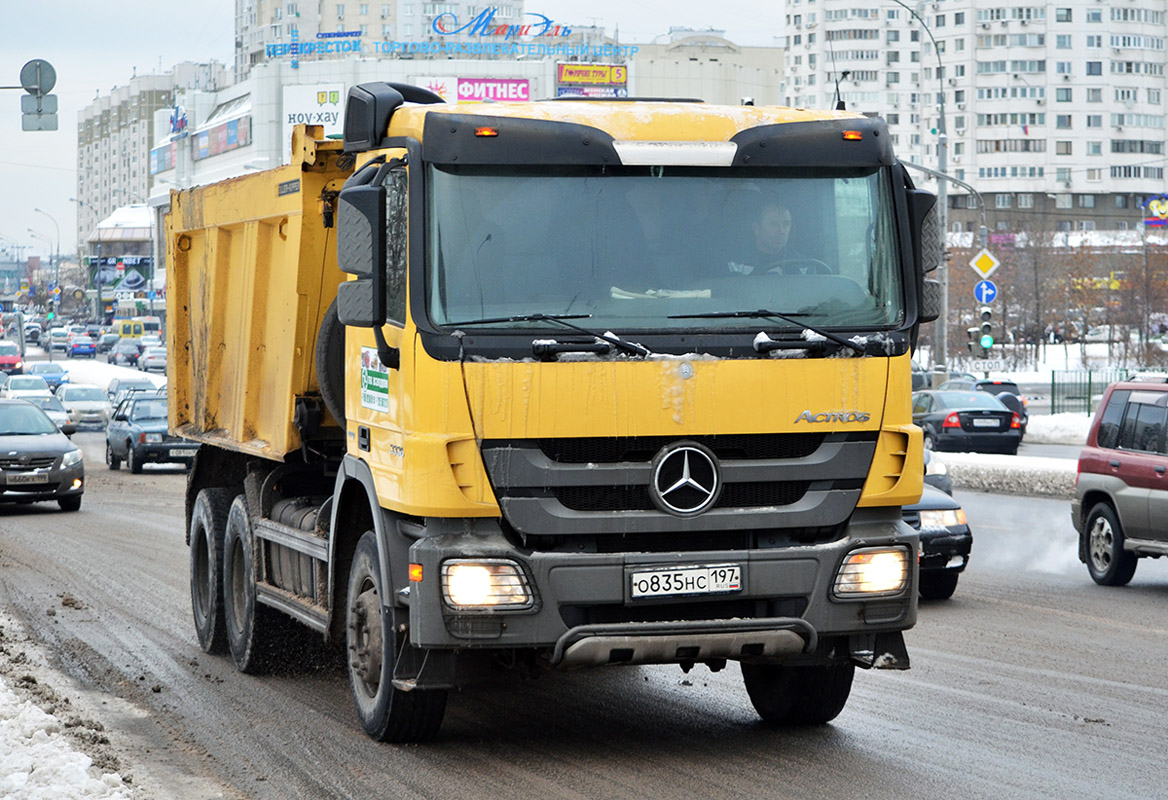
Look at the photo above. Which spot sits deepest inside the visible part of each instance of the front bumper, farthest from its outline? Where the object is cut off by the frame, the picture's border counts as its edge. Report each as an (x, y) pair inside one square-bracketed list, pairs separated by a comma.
[(31, 486), (945, 549), (584, 614)]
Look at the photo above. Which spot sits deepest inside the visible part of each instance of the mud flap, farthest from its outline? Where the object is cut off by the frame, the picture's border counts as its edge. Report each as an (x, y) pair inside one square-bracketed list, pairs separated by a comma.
[(879, 650)]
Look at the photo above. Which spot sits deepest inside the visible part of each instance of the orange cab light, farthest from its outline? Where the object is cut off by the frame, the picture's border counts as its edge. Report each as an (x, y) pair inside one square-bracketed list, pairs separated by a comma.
[(853, 136), (486, 131), (415, 573)]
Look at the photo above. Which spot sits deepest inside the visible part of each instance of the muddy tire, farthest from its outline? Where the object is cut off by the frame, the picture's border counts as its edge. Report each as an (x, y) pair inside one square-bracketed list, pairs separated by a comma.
[(938, 587), (132, 461), (70, 503), (785, 695), (386, 713), (1107, 561), (254, 631), (112, 461), (208, 527), (330, 363)]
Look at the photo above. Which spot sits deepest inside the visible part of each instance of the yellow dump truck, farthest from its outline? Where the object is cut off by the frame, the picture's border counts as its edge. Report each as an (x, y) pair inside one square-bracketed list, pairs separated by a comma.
[(552, 385)]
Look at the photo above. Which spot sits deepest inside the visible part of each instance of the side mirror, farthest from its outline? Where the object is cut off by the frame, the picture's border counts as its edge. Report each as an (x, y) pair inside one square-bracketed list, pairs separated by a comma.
[(930, 300), (926, 233), (68, 429), (361, 232)]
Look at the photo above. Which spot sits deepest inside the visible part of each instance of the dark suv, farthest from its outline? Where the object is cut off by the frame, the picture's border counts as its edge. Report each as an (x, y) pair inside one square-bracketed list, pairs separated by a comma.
[(1121, 492)]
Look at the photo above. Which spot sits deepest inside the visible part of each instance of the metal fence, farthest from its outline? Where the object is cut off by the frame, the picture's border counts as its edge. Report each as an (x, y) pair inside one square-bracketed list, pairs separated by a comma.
[(1081, 390)]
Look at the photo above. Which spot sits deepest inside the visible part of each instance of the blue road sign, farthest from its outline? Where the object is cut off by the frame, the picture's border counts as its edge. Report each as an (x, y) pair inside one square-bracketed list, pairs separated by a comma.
[(985, 291)]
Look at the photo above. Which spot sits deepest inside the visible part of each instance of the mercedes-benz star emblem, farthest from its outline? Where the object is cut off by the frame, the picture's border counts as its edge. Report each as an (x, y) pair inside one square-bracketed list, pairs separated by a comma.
[(686, 479)]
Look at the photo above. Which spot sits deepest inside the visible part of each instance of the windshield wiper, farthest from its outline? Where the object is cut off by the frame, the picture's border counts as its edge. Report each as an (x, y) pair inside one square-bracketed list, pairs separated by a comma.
[(762, 313), (561, 319)]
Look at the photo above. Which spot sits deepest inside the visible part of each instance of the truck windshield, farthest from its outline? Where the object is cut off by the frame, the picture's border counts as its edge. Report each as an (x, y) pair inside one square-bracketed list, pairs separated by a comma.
[(645, 248)]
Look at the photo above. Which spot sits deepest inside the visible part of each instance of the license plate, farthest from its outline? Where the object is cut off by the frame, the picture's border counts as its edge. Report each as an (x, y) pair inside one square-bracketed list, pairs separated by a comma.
[(181, 453), (27, 477), (718, 579), (986, 423)]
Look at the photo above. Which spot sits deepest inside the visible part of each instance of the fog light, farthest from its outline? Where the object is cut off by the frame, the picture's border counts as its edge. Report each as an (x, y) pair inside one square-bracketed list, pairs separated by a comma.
[(76, 483), (872, 572), (486, 583)]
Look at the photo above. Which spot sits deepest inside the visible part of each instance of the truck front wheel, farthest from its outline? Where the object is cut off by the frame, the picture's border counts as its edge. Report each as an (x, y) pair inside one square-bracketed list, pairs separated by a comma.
[(811, 695), (387, 713), (208, 525)]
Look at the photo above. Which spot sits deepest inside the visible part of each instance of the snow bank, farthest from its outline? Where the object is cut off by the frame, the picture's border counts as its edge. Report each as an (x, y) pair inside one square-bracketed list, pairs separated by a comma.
[(37, 763), (1047, 477), (1058, 429)]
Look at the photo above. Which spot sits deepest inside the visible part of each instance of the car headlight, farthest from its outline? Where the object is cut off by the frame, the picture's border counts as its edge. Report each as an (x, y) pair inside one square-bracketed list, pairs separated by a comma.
[(944, 518), (484, 583), (71, 458), (152, 438), (872, 571), (936, 466)]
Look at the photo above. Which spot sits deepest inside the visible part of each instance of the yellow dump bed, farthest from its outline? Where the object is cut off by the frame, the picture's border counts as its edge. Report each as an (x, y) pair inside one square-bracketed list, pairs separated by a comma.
[(251, 270)]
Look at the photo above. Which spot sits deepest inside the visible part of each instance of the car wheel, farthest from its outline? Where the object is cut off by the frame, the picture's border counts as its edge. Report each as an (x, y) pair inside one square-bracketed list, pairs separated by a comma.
[(113, 461), (132, 461), (784, 695), (70, 503), (208, 526), (938, 586), (1107, 561), (387, 713), (930, 443)]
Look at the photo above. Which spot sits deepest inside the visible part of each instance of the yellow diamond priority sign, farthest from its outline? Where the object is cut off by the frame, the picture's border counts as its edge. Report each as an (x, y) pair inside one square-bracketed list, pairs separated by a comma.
[(984, 263)]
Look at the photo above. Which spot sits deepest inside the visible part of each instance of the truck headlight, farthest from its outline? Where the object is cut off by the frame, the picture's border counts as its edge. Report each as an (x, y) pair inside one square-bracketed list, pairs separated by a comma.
[(71, 458), (944, 518), (484, 583), (872, 571)]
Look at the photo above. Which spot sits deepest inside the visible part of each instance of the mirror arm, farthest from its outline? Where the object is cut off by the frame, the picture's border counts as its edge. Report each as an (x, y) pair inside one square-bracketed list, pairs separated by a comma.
[(390, 356)]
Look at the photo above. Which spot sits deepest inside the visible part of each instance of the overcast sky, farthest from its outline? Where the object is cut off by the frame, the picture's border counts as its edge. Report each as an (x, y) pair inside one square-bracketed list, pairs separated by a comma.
[(98, 44)]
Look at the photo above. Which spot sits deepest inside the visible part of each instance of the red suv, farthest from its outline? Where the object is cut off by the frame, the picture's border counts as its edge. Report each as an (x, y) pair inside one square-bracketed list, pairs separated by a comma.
[(1121, 490)]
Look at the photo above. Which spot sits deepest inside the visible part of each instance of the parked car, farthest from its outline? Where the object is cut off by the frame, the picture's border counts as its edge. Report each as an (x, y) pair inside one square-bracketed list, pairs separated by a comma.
[(1121, 498), (81, 345), (137, 434), (125, 351), (85, 405), (106, 342), (23, 386), (946, 542), (119, 385), (11, 360), (52, 407), (37, 461), (1006, 391), (969, 421), (53, 373), (153, 359)]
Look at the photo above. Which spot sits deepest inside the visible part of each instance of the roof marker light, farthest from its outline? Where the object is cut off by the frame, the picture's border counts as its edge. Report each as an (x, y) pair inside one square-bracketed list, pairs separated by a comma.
[(486, 131), (853, 135)]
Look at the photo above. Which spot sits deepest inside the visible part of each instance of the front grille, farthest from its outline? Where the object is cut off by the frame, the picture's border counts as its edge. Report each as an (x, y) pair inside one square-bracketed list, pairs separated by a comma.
[(636, 498), (607, 450), (35, 462)]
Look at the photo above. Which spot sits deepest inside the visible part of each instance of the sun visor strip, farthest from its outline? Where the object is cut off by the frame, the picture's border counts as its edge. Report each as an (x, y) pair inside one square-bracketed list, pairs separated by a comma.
[(451, 139), (810, 144)]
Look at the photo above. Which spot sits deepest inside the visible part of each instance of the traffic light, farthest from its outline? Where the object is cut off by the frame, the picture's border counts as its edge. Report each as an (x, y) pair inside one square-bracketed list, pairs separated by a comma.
[(987, 329), (974, 343), (49, 316)]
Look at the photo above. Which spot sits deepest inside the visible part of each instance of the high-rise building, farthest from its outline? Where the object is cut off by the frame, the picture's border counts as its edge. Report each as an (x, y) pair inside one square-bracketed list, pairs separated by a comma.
[(114, 136), (1053, 111)]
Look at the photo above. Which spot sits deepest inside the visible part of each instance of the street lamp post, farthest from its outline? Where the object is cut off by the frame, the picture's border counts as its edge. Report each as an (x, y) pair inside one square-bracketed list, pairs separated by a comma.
[(38, 235), (941, 356), (57, 260)]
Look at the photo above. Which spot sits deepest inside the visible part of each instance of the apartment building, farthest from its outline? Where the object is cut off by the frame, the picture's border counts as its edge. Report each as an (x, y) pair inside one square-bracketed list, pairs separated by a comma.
[(1053, 112), (114, 136)]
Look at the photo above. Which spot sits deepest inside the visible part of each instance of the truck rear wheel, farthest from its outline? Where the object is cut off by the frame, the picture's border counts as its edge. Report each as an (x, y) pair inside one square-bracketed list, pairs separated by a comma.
[(208, 526), (785, 695), (253, 631), (387, 714)]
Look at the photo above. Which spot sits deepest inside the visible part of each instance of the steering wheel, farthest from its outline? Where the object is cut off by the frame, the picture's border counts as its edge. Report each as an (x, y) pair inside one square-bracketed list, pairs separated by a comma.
[(790, 266)]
